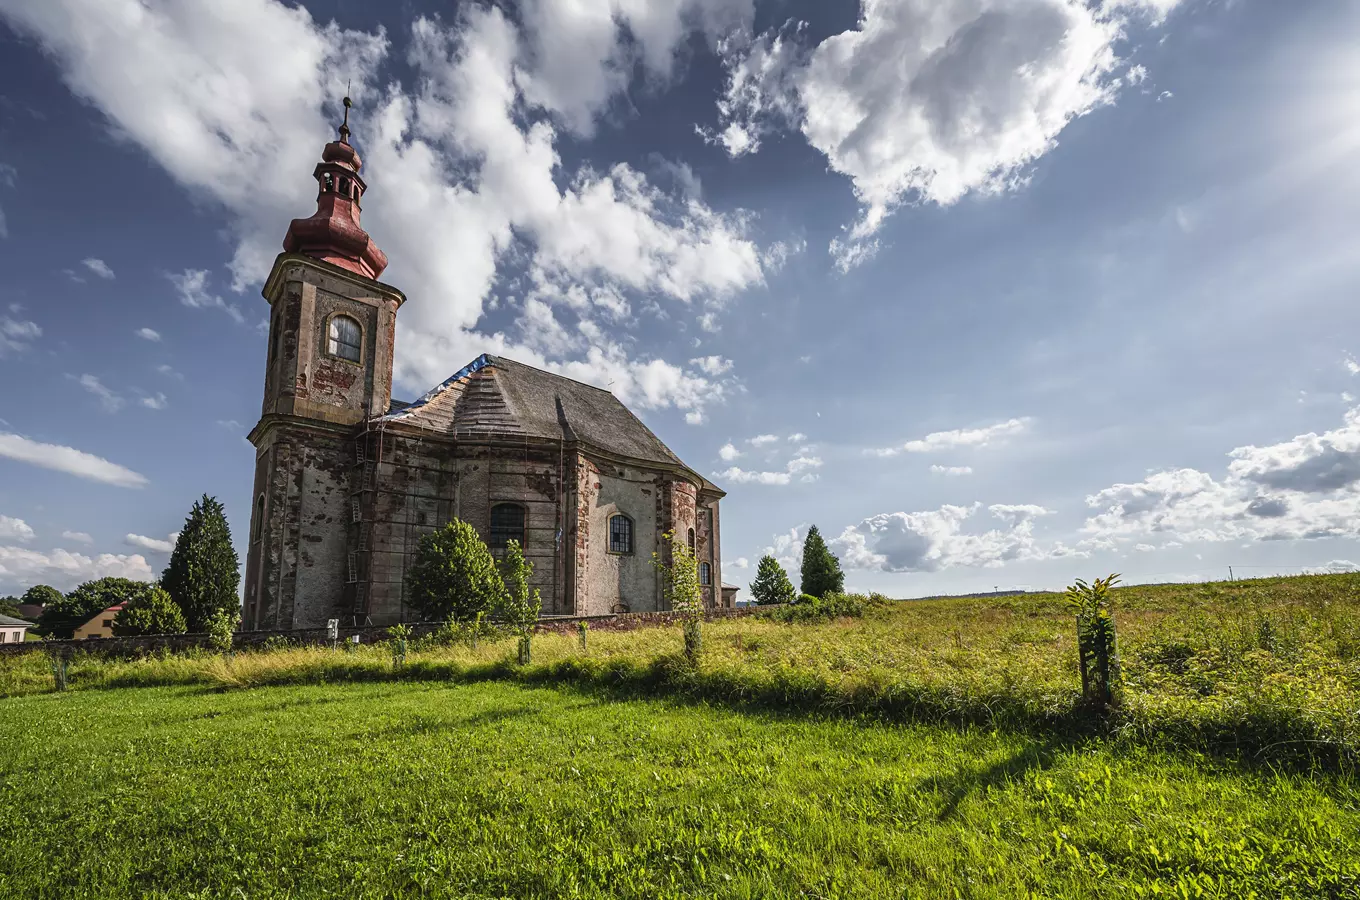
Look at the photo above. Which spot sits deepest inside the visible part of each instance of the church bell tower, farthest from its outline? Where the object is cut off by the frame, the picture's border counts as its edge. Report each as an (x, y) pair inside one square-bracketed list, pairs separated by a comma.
[(328, 370)]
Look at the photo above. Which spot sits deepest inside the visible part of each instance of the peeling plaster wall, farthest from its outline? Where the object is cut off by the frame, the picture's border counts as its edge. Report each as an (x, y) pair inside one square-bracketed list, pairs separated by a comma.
[(621, 582)]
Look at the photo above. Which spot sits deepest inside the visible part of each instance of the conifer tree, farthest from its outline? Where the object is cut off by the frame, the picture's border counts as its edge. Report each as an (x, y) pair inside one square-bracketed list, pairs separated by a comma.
[(771, 584), (204, 571), (822, 573)]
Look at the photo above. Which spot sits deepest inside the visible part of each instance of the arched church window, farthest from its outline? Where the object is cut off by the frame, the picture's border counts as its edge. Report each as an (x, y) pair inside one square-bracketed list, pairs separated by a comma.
[(620, 534), (691, 540), (705, 573), (346, 338), (507, 523), (259, 518)]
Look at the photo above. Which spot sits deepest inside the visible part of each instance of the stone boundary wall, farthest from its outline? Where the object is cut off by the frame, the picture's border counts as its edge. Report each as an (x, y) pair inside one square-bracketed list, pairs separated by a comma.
[(130, 647)]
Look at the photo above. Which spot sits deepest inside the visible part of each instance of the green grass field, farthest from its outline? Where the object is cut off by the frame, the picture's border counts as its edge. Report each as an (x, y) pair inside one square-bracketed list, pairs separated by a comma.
[(930, 749), (501, 790)]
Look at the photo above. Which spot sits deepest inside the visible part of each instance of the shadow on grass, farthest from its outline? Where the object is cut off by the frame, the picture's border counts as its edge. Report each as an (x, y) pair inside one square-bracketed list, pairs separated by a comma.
[(968, 780)]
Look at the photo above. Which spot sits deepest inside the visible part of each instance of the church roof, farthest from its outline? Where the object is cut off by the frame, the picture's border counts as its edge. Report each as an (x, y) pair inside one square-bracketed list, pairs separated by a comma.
[(497, 397)]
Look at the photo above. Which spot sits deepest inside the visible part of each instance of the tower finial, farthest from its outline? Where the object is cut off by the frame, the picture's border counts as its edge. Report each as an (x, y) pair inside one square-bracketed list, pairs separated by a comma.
[(344, 126)]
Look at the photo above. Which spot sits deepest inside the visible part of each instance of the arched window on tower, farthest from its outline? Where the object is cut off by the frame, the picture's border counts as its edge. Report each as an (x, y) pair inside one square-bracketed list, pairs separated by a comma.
[(691, 540), (346, 339), (259, 518), (507, 523), (705, 574), (620, 534)]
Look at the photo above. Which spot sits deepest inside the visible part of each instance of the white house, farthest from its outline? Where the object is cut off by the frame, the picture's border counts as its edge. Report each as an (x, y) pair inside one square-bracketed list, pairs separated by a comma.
[(12, 630)]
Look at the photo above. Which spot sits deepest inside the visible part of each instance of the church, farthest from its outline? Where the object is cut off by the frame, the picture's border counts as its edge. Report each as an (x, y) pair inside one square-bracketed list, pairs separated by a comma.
[(348, 480)]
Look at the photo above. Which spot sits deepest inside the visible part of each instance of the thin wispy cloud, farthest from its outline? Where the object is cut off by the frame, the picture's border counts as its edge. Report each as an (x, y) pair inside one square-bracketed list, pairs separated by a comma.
[(155, 545), (69, 460), (109, 399), (960, 437), (98, 267)]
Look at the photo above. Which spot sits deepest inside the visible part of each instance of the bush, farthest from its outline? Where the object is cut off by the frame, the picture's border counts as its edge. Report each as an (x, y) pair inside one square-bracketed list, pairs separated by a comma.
[(823, 609), (521, 604), (204, 571), (454, 575), (221, 629), (771, 585), (149, 611), (64, 615)]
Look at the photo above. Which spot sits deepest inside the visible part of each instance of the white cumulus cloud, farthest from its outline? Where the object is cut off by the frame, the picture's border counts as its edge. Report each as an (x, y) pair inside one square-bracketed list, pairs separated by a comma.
[(935, 539), (15, 529), (1302, 488), (928, 99), (21, 568), (235, 100), (149, 334), (79, 537)]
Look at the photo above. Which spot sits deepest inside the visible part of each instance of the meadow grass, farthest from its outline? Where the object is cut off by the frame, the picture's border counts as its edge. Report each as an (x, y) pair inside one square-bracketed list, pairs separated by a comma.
[(1265, 670), (424, 789)]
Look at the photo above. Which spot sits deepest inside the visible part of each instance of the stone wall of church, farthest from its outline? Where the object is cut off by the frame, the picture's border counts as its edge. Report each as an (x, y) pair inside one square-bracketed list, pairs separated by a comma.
[(619, 582), (422, 484), (707, 551), (295, 569), (342, 525)]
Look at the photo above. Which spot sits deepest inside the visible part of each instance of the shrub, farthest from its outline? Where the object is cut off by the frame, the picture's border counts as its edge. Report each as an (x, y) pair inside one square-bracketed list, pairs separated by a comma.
[(823, 609), (64, 615), (454, 575), (204, 571), (822, 573), (149, 611), (681, 578), (221, 629), (771, 585), (1097, 650)]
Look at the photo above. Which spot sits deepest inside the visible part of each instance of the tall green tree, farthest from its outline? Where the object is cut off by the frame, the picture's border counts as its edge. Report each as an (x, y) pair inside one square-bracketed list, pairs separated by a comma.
[(63, 616), (40, 595), (521, 604), (771, 584), (9, 606), (204, 571), (822, 573), (149, 611), (454, 575)]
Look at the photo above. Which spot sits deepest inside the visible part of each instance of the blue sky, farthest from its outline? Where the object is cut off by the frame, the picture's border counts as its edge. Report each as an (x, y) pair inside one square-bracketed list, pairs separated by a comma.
[(995, 292)]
